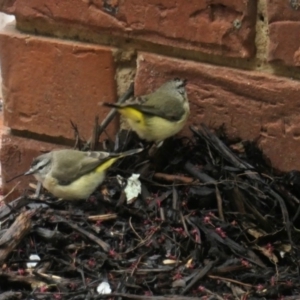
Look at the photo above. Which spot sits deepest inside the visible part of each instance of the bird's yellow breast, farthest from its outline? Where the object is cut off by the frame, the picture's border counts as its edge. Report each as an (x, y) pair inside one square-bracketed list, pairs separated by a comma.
[(158, 129), (81, 188), (153, 128)]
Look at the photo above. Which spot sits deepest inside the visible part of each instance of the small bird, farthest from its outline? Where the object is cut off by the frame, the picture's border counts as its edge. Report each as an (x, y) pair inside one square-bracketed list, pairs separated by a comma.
[(159, 115), (73, 174)]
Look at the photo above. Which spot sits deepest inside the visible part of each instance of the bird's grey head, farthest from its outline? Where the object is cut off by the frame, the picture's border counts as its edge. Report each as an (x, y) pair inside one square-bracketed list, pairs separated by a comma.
[(176, 87), (40, 167)]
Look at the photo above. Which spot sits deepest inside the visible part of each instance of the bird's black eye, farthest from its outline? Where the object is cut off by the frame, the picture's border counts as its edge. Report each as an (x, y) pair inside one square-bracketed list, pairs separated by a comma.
[(37, 165), (180, 83)]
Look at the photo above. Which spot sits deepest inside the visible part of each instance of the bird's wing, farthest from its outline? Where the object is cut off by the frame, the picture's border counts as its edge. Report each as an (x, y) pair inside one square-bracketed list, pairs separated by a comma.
[(77, 165), (162, 105)]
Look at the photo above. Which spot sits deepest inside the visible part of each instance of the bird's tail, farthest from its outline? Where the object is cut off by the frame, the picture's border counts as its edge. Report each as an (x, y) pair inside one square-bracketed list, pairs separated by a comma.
[(114, 105), (113, 157), (127, 153), (134, 112)]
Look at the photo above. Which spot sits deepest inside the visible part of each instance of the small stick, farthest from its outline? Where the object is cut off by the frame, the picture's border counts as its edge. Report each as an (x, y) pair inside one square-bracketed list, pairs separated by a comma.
[(84, 232), (200, 274), (102, 217), (76, 135), (230, 280), (134, 230), (172, 178), (10, 192), (219, 201), (110, 116), (95, 136), (162, 214)]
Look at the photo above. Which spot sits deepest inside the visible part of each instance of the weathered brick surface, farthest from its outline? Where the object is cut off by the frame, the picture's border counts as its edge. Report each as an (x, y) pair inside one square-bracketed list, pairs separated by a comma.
[(224, 27), (16, 156), (284, 32), (279, 10), (250, 104), (48, 82)]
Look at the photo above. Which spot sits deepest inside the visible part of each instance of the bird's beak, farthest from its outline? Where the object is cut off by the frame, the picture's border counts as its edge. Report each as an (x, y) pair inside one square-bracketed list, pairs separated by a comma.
[(29, 172)]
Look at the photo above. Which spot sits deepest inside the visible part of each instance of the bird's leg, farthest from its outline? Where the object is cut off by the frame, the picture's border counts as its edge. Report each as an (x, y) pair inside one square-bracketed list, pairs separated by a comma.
[(38, 189), (153, 149), (159, 144)]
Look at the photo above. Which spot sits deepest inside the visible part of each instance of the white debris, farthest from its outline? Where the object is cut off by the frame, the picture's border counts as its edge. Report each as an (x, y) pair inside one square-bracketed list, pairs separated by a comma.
[(104, 288), (133, 188), (33, 257), (170, 261)]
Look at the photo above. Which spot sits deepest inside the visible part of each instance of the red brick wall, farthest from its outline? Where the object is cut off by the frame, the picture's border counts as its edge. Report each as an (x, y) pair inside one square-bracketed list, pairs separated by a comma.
[(240, 57)]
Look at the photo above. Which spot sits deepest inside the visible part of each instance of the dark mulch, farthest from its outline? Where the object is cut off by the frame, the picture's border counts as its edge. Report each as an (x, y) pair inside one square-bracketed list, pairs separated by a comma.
[(213, 221)]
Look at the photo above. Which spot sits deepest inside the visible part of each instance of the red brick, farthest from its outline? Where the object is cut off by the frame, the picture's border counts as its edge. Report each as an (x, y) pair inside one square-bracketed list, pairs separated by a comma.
[(284, 28), (250, 104), (48, 82), (16, 157), (223, 27), (279, 10), (284, 44)]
